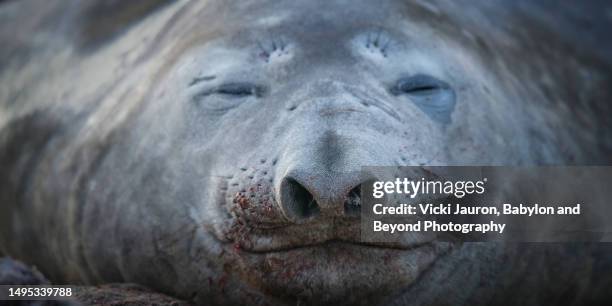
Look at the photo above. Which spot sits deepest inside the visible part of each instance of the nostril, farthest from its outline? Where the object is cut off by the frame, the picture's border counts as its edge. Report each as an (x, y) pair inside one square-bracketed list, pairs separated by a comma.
[(352, 204), (297, 201)]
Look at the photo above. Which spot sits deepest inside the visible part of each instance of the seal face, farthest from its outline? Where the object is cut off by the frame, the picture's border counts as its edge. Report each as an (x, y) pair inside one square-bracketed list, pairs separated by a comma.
[(226, 168), (258, 138)]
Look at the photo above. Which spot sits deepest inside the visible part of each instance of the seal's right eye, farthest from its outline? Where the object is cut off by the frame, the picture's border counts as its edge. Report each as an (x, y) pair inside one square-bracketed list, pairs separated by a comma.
[(232, 90), (239, 89), (226, 96)]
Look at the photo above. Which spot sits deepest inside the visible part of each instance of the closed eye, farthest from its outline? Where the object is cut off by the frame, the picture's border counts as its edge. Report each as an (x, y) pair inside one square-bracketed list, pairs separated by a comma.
[(233, 90), (420, 89), (226, 96), (434, 97), (418, 85), (236, 90), (239, 89)]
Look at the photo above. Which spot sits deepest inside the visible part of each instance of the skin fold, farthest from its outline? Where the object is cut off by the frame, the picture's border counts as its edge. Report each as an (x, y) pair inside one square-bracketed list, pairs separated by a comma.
[(211, 150)]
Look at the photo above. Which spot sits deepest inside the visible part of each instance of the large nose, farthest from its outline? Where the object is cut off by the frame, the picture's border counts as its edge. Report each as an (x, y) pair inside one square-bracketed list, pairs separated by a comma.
[(306, 194)]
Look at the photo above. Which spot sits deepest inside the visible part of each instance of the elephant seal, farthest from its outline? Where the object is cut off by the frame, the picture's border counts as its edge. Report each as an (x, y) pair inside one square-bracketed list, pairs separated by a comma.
[(211, 150)]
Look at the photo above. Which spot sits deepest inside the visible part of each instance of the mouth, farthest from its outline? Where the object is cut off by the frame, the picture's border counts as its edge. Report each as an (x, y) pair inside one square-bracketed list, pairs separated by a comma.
[(336, 269), (245, 237), (332, 242)]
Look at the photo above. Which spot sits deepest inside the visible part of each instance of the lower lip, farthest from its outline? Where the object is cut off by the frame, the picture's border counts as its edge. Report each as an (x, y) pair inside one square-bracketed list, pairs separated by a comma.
[(345, 255), (338, 266)]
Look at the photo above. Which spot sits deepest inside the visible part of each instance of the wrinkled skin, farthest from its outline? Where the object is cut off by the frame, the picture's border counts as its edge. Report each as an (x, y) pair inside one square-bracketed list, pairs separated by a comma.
[(213, 152)]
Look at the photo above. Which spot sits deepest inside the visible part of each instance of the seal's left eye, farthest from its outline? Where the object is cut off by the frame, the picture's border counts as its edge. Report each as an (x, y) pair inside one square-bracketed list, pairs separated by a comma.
[(419, 85), (434, 97), (239, 89)]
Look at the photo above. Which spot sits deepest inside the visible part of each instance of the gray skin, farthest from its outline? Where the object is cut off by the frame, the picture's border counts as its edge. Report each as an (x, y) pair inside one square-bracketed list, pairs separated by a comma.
[(212, 150)]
